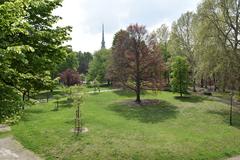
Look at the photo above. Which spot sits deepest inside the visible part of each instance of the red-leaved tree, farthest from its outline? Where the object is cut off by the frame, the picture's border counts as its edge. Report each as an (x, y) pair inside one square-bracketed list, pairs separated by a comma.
[(70, 77), (136, 60)]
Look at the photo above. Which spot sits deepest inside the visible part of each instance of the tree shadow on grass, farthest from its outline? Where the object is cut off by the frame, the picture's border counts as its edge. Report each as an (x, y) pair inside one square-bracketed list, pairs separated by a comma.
[(65, 103), (146, 114), (35, 111), (191, 99), (226, 116), (128, 93), (45, 94)]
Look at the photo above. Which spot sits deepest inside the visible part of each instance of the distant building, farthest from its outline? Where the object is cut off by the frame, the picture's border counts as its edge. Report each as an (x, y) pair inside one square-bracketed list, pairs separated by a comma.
[(103, 40)]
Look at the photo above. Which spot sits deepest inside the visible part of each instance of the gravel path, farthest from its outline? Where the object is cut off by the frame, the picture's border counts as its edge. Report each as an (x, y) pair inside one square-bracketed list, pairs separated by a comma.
[(10, 149), (4, 128), (101, 91), (234, 158)]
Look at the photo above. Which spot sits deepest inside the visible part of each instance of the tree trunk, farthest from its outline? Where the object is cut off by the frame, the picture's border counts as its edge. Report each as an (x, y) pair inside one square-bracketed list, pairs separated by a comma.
[(194, 85), (239, 91), (138, 79), (138, 100), (206, 84), (48, 96), (23, 98), (180, 85), (168, 79), (202, 83), (28, 95), (138, 89), (215, 83)]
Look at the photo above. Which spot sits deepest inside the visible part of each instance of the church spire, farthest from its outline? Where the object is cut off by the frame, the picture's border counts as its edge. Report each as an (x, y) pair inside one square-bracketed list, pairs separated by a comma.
[(103, 40)]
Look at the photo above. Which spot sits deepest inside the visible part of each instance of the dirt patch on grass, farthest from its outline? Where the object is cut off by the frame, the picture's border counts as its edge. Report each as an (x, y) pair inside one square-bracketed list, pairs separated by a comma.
[(83, 130)]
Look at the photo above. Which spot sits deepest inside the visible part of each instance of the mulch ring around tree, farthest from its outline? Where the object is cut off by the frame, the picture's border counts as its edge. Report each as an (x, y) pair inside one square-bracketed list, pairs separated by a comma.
[(144, 102), (83, 130)]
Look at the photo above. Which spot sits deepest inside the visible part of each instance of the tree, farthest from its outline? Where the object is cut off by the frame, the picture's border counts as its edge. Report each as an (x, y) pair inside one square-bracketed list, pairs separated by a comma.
[(136, 62), (70, 62), (31, 46), (84, 60), (182, 41), (179, 81), (98, 66), (70, 77), (163, 35), (224, 16)]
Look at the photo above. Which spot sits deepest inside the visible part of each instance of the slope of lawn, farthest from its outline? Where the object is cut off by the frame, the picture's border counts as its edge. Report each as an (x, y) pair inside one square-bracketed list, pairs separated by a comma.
[(194, 128)]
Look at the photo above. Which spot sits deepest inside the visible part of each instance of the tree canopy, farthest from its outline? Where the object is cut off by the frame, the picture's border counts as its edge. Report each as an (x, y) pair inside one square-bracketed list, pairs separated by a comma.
[(179, 81), (31, 44), (136, 60), (98, 66)]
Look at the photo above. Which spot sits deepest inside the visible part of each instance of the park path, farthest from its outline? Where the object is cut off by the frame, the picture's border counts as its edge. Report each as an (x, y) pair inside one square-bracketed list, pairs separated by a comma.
[(101, 91), (214, 98), (10, 149), (234, 158)]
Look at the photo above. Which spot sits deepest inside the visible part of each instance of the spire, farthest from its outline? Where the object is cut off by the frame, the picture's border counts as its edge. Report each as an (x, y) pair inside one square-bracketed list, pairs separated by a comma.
[(103, 41)]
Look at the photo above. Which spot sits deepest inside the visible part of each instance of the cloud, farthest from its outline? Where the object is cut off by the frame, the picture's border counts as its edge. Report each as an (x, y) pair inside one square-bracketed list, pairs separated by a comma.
[(86, 17)]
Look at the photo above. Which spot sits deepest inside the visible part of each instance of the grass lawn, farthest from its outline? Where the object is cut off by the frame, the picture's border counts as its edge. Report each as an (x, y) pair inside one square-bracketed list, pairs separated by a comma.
[(194, 128)]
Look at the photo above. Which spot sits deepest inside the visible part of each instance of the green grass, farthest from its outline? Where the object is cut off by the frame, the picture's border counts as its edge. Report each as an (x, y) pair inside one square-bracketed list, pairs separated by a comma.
[(190, 128)]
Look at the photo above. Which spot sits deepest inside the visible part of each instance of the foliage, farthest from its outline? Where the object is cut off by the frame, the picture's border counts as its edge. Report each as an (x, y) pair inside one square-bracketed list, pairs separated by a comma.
[(163, 35), (136, 60), (98, 66), (182, 42), (31, 47), (84, 60), (11, 104), (30, 53), (218, 35), (70, 77), (71, 62), (179, 81)]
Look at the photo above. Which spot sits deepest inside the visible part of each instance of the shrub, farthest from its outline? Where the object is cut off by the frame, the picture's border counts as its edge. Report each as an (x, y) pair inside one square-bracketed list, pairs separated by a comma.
[(70, 77), (10, 104)]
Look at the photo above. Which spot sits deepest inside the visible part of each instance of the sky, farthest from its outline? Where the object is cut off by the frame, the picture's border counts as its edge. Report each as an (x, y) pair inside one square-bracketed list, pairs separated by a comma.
[(87, 16)]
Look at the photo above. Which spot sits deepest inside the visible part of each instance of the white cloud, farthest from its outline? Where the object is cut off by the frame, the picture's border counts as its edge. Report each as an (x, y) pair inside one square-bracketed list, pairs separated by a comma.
[(86, 17)]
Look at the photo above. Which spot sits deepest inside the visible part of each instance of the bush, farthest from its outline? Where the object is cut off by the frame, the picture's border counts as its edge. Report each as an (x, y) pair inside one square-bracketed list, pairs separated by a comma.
[(10, 104), (70, 77)]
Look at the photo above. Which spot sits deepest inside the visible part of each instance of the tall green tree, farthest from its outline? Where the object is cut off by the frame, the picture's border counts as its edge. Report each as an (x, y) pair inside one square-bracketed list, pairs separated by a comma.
[(98, 66), (182, 42), (84, 60), (179, 81), (224, 17), (70, 62), (31, 44), (163, 35)]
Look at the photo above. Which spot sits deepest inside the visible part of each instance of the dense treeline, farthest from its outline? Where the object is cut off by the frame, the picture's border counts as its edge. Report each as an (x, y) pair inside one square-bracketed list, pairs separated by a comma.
[(210, 41)]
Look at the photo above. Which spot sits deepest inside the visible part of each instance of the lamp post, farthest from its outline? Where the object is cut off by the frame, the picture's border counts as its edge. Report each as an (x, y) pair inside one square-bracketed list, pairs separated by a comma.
[(231, 108)]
